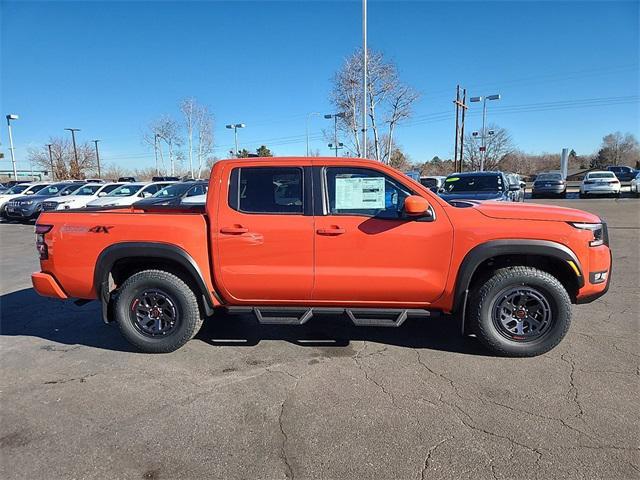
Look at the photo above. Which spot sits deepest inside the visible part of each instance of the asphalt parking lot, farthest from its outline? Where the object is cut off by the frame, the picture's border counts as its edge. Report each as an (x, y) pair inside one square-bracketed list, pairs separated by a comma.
[(325, 400)]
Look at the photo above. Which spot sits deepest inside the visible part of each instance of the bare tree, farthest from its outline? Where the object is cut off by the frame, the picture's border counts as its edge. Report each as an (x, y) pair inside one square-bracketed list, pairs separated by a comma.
[(114, 171), (64, 164), (204, 129), (389, 101), (189, 108), (164, 129), (497, 146), (617, 149)]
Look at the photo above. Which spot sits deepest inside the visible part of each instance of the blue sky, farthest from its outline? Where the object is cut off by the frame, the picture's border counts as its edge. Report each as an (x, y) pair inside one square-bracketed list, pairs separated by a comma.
[(111, 67)]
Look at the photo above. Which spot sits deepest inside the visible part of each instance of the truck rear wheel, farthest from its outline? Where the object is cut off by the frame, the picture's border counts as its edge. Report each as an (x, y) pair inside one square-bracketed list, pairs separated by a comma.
[(520, 312), (157, 312)]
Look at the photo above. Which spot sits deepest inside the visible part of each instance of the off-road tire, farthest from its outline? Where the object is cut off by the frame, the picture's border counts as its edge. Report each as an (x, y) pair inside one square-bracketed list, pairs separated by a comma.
[(485, 296), (189, 318)]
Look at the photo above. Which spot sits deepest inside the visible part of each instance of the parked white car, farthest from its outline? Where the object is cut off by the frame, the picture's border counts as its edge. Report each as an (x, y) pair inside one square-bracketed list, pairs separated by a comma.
[(600, 183), (20, 190), (128, 194), (635, 185), (81, 197), (194, 200)]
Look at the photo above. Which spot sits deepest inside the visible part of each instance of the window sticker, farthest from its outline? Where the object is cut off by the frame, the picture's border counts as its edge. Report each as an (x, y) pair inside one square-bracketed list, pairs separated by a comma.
[(360, 193)]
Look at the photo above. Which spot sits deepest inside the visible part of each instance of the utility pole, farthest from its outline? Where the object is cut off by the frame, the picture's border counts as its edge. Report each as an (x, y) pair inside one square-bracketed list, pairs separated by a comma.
[(75, 150), (12, 116), (461, 107), (336, 145), (97, 158), (364, 80), (53, 176)]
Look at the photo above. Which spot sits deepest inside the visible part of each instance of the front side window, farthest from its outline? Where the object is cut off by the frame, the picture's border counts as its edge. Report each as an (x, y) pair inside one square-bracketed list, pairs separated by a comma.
[(366, 192), (272, 190), (197, 190), (125, 191)]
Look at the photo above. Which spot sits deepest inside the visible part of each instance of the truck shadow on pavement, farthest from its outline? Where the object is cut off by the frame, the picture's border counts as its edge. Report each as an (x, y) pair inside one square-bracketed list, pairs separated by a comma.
[(25, 313)]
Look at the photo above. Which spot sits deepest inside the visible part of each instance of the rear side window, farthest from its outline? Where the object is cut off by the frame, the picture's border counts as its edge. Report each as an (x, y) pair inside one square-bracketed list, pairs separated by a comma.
[(268, 190)]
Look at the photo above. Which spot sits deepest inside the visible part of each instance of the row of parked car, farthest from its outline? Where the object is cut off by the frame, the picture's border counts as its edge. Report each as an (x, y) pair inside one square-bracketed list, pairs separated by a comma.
[(25, 201), (498, 186)]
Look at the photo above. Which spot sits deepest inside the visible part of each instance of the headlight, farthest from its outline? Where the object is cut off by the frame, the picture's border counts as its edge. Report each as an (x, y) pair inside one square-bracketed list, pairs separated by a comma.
[(27, 202), (598, 232)]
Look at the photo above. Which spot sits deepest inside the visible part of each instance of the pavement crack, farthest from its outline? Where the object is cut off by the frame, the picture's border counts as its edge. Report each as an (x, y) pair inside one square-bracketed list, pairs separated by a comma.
[(427, 460), (82, 379), (370, 379), (283, 447), (573, 389)]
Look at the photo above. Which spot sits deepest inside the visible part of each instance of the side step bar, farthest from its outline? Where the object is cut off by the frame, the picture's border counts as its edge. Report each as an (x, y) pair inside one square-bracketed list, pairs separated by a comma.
[(360, 317)]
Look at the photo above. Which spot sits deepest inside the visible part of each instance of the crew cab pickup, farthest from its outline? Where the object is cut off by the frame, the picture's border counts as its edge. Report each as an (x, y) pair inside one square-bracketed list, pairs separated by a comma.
[(294, 238)]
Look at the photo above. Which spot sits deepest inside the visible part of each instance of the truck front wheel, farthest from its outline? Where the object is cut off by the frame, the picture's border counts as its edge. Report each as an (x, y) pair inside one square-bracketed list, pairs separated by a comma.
[(157, 311), (520, 312)]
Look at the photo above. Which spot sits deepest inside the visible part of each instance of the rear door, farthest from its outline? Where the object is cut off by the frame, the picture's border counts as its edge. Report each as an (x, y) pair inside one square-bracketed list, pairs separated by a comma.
[(263, 233)]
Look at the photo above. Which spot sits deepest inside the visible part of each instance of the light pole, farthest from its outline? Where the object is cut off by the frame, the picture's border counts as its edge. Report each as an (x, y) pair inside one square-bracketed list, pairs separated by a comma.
[(484, 118), (364, 79), (75, 150), (235, 127), (97, 158), (12, 116), (309, 118), (336, 145), (49, 145), (155, 149)]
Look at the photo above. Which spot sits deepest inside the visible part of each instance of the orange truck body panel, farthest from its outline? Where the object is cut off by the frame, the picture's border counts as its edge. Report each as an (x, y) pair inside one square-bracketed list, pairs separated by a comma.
[(313, 260)]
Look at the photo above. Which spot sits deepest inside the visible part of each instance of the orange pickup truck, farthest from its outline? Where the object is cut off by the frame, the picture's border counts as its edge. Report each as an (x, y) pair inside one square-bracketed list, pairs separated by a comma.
[(293, 238)]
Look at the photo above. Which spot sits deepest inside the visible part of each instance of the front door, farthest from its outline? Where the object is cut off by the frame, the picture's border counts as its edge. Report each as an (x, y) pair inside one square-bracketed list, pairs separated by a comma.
[(263, 234), (367, 251)]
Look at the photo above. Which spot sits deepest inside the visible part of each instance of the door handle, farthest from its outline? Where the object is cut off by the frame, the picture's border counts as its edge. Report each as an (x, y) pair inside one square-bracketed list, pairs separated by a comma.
[(331, 231), (235, 230)]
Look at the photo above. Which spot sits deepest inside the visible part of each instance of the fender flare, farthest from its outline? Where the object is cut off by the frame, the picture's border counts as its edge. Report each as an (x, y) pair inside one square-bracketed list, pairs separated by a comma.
[(495, 248), (147, 250)]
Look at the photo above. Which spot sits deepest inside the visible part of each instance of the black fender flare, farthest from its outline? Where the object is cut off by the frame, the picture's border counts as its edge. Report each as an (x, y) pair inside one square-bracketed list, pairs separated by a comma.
[(495, 248), (147, 250)]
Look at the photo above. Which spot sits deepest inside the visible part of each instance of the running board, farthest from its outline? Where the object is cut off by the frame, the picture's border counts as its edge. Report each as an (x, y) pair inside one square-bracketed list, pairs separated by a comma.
[(360, 317)]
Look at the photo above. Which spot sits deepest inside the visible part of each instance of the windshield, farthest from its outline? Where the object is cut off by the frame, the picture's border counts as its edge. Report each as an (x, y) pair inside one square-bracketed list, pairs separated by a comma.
[(87, 190), (601, 175), (126, 191), (549, 176), (36, 188), (52, 190), (16, 189), (470, 183), (172, 191)]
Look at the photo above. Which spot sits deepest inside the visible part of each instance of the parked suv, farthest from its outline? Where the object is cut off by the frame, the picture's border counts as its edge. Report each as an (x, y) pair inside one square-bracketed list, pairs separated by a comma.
[(128, 194), (289, 239), (478, 186), (81, 197), (28, 207), (624, 174), (18, 190)]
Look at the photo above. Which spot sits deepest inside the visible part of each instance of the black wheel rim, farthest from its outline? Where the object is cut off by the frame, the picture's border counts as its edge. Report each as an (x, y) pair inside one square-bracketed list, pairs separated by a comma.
[(154, 313), (522, 313)]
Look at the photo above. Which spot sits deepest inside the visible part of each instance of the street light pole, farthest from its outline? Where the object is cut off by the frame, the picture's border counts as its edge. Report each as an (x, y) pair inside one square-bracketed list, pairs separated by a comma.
[(97, 158), (335, 116), (49, 145), (364, 80), (484, 99), (235, 127), (155, 149), (12, 116), (75, 150), (308, 118)]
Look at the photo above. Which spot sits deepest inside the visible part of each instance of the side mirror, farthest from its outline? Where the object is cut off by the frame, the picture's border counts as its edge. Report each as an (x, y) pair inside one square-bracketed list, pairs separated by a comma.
[(514, 188), (146, 194), (416, 206), (523, 185), (29, 193), (102, 194)]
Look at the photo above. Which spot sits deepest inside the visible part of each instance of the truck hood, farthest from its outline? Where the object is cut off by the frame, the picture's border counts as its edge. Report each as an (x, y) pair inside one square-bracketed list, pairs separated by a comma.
[(532, 211)]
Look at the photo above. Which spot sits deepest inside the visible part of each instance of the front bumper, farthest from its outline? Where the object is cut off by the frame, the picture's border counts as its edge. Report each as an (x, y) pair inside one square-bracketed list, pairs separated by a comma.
[(26, 213), (552, 190), (599, 190), (599, 261), (47, 286)]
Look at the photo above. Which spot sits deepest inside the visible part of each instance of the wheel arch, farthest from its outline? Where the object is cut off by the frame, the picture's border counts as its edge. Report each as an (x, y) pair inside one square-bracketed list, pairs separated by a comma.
[(549, 256), (121, 260)]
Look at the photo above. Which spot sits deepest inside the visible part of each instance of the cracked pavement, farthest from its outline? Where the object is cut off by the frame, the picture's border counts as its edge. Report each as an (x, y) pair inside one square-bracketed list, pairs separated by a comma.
[(322, 401)]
